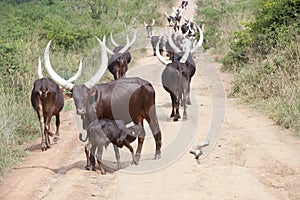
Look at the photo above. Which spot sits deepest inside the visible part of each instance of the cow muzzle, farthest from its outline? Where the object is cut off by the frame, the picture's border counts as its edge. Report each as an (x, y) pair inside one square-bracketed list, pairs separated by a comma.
[(80, 111)]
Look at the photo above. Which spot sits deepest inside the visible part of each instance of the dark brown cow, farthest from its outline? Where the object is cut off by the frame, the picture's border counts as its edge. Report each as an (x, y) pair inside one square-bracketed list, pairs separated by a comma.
[(139, 93), (120, 58), (47, 100), (186, 45), (176, 82), (149, 28)]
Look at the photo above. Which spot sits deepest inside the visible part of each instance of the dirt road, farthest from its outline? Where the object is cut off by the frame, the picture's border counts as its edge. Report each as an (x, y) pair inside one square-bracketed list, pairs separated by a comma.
[(252, 159)]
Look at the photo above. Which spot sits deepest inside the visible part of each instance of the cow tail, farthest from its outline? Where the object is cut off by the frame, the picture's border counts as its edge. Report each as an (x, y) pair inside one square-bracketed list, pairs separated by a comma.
[(83, 140)]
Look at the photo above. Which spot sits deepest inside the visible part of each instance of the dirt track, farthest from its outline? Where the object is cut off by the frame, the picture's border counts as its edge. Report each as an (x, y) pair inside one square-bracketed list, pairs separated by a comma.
[(253, 158)]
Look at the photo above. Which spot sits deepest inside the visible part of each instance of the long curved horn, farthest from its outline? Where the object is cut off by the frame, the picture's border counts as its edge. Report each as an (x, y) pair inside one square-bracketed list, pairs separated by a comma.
[(113, 41), (145, 24), (104, 63), (153, 22), (109, 51), (58, 79), (40, 74), (185, 56), (167, 15), (200, 41), (160, 58), (173, 46), (78, 73), (124, 49)]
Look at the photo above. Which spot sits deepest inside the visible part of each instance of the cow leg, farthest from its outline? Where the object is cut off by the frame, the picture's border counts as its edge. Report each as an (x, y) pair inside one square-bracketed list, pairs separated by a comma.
[(177, 114), (184, 100), (188, 95), (42, 127), (173, 99), (87, 150), (117, 154), (99, 158), (140, 143), (139, 149), (127, 144), (154, 126), (57, 123), (92, 166)]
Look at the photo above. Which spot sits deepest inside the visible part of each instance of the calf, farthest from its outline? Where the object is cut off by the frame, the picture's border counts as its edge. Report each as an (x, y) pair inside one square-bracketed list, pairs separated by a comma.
[(101, 133)]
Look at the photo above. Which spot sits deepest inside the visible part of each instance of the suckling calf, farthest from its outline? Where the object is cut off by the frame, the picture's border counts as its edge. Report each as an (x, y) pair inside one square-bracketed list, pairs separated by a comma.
[(101, 133)]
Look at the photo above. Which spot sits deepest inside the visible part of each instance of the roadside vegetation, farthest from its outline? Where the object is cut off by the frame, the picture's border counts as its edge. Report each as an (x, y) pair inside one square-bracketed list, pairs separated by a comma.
[(25, 29), (259, 42)]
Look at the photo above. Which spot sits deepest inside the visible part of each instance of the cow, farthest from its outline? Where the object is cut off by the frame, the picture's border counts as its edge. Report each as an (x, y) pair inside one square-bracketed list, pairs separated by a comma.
[(184, 4), (149, 28), (47, 99), (120, 58), (186, 45), (188, 28), (173, 22), (111, 104), (175, 81), (102, 132)]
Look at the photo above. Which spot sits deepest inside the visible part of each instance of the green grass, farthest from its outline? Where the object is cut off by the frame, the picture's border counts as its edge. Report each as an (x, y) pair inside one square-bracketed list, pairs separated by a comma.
[(258, 42)]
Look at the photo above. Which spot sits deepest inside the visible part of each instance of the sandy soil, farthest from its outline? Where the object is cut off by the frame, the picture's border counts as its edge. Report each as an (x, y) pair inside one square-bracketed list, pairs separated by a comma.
[(249, 157)]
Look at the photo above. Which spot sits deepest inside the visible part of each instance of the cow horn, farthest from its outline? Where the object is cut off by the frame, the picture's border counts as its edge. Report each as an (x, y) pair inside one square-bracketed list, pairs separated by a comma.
[(109, 51), (128, 44), (173, 46), (40, 74), (78, 73), (167, 15), (104, 63), (145, 23), (59, 80), (160, 58), (185, 56), (200, 41), (113, 41), (174, 10), (153, 22)]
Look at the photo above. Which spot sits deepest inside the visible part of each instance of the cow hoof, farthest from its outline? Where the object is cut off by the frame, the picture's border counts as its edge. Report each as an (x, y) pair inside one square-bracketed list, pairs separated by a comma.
[(184, 117), (93, 168), (137, 157), (156, 157), (88, 167), (175, 119), (55, 139), (134, 162), (44, 147)]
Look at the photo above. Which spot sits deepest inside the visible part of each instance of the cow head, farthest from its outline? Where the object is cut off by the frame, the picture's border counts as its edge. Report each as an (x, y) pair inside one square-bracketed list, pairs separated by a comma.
[(80, 92), (149, 27)]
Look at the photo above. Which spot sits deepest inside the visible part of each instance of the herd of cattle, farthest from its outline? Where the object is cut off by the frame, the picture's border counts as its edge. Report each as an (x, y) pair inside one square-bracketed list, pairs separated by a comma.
[(103, 108)]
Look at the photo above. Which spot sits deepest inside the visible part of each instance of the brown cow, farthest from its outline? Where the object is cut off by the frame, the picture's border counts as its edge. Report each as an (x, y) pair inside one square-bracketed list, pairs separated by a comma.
[(120, 58), (47, 100)]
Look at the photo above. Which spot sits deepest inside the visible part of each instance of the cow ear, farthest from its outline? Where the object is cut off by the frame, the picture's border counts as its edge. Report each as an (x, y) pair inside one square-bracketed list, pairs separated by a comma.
[(92, 92)]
